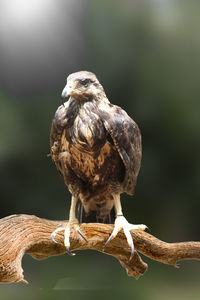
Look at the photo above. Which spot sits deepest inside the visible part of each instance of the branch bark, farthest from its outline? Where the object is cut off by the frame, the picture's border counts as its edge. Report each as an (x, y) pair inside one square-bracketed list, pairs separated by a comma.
[(26, 234)]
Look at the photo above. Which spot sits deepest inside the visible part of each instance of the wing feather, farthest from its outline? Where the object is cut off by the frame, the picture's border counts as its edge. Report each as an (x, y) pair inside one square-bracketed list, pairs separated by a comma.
[(59, 123), (127, 139)]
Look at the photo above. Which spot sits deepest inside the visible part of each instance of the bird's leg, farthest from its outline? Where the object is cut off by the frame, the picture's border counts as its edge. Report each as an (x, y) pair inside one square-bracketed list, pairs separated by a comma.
[(72, 223), (122, 223)]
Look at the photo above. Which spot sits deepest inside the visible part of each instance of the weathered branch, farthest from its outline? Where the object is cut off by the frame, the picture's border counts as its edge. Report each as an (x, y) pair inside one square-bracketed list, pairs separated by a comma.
[(21, 234)]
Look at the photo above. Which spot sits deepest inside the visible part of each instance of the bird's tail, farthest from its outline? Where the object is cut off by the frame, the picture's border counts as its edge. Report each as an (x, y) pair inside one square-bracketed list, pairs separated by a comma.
[(94, 216)]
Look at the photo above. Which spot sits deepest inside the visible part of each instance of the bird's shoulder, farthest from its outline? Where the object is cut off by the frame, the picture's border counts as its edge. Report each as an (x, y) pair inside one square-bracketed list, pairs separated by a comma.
[(117, 121), (61, 120)]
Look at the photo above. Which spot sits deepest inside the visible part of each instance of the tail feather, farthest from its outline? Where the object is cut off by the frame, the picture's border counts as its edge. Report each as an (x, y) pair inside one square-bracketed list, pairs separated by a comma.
[(94, 217)]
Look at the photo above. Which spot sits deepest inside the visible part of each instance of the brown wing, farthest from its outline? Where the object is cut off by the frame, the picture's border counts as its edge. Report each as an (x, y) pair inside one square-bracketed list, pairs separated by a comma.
[(58, 125), (127, 139)]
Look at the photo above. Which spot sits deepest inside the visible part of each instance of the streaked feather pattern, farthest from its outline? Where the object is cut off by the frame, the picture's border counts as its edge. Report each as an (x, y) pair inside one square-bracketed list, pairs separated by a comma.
[(96, 147)]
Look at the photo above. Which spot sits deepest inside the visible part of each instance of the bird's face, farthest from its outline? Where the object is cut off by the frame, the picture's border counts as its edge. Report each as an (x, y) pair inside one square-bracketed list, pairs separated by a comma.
[(82, 86)]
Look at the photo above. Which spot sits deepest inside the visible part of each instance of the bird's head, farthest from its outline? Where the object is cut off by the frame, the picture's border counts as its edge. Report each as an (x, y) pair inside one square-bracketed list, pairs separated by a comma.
[(82, 86)]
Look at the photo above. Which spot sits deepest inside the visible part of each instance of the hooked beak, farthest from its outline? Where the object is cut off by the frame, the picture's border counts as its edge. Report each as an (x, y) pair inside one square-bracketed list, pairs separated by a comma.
[(66, 91)]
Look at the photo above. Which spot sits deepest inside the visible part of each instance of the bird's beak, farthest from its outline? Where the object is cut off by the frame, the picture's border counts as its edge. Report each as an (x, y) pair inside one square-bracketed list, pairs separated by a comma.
[(66, 91)]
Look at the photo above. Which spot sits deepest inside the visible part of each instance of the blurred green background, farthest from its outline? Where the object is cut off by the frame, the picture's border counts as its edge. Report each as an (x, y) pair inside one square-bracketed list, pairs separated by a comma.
[(146, 54)]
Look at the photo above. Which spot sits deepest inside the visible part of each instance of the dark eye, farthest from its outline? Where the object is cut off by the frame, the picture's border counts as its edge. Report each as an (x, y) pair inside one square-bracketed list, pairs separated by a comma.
[(85, 81)]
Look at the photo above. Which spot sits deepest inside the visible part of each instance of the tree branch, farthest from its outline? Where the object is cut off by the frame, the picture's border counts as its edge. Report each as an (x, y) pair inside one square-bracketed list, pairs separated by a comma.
[(25, 234)]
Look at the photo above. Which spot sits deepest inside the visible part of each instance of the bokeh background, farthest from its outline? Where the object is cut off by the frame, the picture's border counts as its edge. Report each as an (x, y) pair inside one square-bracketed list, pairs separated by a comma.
[(147, 56)]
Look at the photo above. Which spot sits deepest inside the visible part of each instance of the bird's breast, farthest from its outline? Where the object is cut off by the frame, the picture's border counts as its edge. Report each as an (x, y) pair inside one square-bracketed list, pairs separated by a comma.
[(88, 133), (89, 151)]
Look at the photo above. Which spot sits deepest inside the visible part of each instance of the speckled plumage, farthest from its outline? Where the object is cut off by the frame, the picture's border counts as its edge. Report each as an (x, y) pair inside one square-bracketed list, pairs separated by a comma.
[(96, 147)]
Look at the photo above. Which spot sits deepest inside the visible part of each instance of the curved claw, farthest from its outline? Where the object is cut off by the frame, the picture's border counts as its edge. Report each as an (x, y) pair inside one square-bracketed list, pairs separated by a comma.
[(67, 235), (108, 240), (130, 242), (54, 233), (82, 235), (69, 252), (122, 223), (52, 238), (147, 228)]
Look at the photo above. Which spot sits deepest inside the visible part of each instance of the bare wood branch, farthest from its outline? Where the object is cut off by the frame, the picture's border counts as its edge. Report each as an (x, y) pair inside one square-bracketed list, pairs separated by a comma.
[(21, 234)]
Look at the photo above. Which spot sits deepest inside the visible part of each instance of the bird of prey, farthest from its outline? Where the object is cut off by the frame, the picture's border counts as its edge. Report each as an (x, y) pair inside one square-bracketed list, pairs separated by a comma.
[(96, 147)]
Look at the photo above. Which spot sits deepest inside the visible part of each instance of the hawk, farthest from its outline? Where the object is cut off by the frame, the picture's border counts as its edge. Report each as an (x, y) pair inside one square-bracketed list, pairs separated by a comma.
[(96, 147)]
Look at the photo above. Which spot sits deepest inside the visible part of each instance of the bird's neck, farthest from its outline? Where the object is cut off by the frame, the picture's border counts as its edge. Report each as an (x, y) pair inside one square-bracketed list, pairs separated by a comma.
[(93, 101)]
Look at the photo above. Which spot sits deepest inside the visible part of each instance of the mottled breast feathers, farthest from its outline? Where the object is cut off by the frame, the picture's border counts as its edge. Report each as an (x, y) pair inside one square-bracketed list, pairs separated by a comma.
[(91, 134)]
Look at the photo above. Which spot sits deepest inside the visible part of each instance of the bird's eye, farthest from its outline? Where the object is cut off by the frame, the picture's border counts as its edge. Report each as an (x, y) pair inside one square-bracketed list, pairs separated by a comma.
[(85, 81)]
